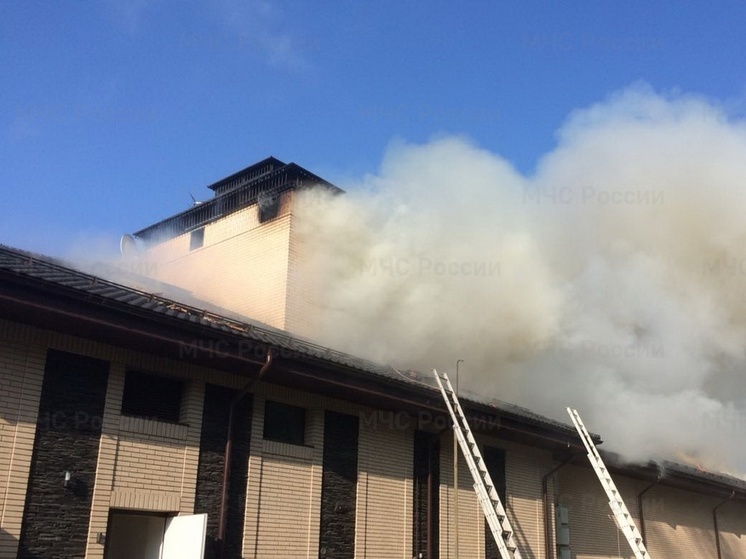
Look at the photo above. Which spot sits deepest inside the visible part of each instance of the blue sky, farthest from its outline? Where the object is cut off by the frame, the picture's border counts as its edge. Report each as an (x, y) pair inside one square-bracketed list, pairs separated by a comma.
[(114, 112)]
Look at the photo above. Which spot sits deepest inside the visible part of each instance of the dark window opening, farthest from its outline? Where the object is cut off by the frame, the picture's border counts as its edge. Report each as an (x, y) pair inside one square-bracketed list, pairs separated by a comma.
[(197, 238), (426, 496), (152, 396), (284, 423), (269, 206), (494, 461)]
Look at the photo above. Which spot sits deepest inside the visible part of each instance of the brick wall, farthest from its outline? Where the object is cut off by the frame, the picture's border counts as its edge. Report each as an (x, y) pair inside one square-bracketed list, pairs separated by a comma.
[(494, 461), (303, 289), (470, 516), (593, 530), (145, 464), (152, 465), (140, 482), (732, 525), (284, 488), (242, 266), (21, 375), (339, 486), (67, 440), (211, 464), (677, 523), (524, 468), (384, 500)]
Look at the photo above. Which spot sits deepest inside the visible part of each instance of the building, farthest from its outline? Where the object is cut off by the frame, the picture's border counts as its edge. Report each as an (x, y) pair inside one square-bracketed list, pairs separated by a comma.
[(115, 403), (248, 233)]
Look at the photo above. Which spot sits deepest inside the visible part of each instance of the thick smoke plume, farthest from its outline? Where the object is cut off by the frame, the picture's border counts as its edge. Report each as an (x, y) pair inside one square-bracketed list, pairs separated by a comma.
[(611, 280)]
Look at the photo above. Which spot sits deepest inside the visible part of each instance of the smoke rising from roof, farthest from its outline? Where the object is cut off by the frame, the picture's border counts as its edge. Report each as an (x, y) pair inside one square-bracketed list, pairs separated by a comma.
[(611, 280)]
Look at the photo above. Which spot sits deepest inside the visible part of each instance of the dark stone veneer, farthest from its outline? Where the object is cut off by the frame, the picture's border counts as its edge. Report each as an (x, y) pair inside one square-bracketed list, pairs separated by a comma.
[(210, 469), (68, 431), (426, 495), (339, 486)]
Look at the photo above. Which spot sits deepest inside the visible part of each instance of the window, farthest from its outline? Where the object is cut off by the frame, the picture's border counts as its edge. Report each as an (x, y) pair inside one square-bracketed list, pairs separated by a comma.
[(197, 238), (152, 396), (269, 206), (284, 423), (426, 495), (494, 461)]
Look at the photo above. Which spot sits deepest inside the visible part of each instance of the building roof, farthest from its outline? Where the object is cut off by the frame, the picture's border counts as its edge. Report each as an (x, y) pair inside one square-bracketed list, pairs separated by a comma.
[(61, 274), (57, 278), (269, 177)]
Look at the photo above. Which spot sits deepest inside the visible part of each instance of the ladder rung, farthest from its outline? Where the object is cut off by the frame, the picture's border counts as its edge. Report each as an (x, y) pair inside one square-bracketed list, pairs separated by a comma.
[(485, 489), (616, 503)]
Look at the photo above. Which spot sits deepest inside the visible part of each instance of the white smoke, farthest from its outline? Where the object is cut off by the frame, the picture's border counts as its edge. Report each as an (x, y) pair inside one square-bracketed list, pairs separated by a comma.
[(611, 280)]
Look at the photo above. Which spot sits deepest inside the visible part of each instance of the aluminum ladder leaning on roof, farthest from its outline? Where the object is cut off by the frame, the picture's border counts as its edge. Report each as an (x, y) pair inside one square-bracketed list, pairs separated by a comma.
[(493, 508), (623, 518)]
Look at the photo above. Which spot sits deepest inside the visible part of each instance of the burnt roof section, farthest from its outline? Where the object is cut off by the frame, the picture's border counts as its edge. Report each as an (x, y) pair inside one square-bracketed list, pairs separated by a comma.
[(673, 474), (235, 192), (244, 176)]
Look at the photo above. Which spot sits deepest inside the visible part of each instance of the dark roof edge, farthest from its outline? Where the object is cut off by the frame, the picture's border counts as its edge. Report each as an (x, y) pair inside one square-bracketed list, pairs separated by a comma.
[(267, 162), (50, 272), (233, 200), (56, 273), (674, 474)]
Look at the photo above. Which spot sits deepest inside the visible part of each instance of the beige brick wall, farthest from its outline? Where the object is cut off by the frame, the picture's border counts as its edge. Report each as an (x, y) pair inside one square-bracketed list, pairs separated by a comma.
[(303, 288), (107, 456), (152, 466), (384, 492), (593, 530), (470, 515), (21, 376), (242, 266), (679, 524), (146, 465), (525, 467), (732, 525), (284, 485), (283, 501)]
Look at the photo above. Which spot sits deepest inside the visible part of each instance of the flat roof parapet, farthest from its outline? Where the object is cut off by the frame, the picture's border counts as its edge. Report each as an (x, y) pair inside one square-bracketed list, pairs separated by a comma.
[(235, 192)]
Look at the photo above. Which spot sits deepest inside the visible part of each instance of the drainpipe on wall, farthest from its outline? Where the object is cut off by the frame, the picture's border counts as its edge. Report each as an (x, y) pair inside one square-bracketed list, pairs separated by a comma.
[(642, 512), (545, 501), (715, 523), (228, 447)]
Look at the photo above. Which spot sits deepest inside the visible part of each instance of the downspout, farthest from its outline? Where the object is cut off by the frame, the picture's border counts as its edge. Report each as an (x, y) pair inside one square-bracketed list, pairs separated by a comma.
[(228, 448), (545, 501), (640, 508), (715, 523)]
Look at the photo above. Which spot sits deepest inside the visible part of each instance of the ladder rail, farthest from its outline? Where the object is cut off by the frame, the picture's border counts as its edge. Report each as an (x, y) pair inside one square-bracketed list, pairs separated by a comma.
[(621, 513), (492, 506)]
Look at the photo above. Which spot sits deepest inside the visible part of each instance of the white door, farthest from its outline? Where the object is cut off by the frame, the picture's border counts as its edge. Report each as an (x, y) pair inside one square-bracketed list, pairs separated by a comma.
[(184, 537)]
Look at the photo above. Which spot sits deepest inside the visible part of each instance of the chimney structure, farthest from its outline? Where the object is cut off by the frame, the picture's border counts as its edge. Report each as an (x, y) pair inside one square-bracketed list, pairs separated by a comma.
[(240, 250)]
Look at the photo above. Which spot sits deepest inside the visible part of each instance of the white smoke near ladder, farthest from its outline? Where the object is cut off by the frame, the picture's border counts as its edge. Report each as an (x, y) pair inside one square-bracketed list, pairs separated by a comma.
[(611, 280)]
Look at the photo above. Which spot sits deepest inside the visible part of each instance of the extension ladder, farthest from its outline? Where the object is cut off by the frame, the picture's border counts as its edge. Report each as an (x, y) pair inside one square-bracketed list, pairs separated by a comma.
[(493, 509), (623, 518)]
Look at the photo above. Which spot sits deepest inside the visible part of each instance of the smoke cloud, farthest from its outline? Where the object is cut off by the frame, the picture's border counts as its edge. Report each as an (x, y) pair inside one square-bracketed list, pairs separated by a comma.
[(610, 280)]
